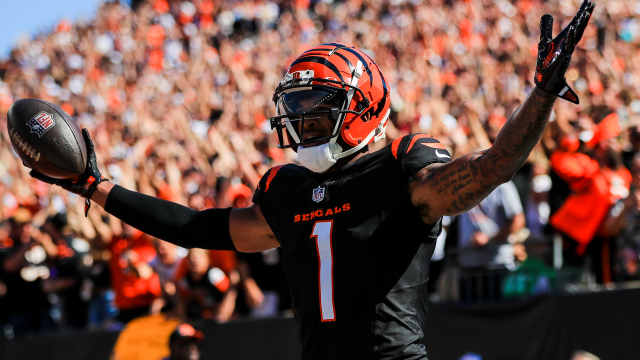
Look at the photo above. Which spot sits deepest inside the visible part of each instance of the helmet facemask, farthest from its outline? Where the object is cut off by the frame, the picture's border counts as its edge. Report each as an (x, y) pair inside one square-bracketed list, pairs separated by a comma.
[(296, 103)]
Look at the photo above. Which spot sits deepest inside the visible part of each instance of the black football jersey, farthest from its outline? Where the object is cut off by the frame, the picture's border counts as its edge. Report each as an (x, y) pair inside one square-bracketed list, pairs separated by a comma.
[(355, 251)]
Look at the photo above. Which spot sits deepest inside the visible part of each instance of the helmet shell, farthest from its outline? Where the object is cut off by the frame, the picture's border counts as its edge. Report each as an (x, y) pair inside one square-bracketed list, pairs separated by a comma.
[(354, 71)]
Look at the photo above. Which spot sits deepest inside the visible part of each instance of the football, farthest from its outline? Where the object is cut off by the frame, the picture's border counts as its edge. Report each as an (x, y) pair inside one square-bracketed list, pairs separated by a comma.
[(46, 138)]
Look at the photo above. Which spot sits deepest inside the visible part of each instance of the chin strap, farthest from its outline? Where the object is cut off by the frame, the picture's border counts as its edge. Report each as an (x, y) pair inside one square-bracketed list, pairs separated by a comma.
[(376, 134), (381, 129), (336, 150)]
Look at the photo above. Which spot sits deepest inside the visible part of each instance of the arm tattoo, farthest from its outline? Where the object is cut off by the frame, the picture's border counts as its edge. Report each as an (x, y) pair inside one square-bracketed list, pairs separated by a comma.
[(522, 132), (449, 189)]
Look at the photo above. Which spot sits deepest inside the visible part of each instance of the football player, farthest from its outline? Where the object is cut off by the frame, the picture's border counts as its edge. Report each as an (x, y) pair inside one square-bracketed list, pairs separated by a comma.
[(356, 219)]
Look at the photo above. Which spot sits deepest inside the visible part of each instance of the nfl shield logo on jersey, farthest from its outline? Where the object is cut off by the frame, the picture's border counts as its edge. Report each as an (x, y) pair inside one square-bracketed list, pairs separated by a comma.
[(318, 194)]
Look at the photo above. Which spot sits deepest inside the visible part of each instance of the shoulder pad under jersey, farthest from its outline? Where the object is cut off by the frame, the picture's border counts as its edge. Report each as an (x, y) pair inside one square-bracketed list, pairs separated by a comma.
[(415, 151)]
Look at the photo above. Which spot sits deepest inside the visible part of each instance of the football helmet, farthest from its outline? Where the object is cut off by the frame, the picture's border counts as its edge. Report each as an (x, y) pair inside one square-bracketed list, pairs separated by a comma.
[(340, 81)]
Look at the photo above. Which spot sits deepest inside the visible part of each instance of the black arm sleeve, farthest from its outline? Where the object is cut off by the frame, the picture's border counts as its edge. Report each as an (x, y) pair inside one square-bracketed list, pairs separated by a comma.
[(208, 229)]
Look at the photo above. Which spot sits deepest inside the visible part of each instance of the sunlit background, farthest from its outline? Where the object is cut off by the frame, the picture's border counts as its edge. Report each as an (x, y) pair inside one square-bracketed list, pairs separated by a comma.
[(20, 19)]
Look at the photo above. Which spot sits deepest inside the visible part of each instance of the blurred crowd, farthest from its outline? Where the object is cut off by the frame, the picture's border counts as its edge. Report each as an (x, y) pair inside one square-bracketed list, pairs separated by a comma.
[(177, 94)]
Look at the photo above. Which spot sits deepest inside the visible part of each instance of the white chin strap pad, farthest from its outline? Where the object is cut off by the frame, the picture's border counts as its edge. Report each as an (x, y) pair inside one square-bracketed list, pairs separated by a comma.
[(316, 158)]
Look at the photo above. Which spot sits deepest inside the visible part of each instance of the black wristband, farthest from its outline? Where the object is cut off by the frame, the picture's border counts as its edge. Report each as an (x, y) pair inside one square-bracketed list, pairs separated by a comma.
[(89, 193), (93, 187), (185, 227)]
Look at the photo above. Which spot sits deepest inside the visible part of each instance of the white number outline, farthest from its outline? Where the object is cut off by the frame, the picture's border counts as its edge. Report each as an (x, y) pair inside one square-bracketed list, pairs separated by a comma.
[(323, 237)]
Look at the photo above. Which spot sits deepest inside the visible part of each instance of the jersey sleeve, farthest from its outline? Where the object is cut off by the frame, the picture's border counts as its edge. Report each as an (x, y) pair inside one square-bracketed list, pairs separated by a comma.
[(416, 151), (268, 197)]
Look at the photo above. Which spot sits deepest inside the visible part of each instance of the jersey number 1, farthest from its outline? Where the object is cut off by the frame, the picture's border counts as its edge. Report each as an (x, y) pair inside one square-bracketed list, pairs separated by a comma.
[(322, 234)]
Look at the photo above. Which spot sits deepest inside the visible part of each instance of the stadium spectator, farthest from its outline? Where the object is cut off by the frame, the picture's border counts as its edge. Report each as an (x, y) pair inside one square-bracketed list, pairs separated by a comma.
[(623, 224), (24, 270), (584, 355), (167, 259), (69, 279), (633, 146), (166, 264), (206, 291), (537, 209), (597, 179), (487, 235), (184, 343), (586, 206), (134, 282)]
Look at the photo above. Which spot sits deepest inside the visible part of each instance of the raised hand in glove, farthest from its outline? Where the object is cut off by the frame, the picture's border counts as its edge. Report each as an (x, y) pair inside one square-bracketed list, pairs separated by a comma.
[(87, 183), (554, 55)]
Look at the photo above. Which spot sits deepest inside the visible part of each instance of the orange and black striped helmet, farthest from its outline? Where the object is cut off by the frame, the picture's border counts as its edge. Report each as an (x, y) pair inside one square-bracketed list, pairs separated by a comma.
[(342, 81)]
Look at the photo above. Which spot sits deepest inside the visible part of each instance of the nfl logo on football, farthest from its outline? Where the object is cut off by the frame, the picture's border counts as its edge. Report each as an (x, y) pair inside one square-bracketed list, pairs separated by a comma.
[(318, 194), (41, 123)]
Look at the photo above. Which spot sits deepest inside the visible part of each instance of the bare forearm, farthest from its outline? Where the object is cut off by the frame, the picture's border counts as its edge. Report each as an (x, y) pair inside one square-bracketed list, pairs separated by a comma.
[(255, 296), (520, 134), (102, 193), (227, 306), (49, 247), (452, 188)]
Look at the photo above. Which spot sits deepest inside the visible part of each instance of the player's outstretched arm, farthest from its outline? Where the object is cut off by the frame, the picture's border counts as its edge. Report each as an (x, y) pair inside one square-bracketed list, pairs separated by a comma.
[(225, 229), (454, 187), (233, 229)]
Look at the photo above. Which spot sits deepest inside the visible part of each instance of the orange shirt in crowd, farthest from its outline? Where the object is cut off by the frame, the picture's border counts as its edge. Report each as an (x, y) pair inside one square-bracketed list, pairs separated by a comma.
[(132, 290), (155, 36), (584, 210), (577, 169), (161, 6), (225, 260), (595, 190)]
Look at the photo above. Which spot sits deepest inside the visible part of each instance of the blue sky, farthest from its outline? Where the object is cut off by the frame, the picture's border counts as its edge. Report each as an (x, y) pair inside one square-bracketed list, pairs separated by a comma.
[(18, 17)]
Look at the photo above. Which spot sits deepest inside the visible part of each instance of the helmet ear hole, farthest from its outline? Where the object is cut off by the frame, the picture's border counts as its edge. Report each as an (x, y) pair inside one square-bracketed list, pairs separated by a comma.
[(362, 103), (366, 116)]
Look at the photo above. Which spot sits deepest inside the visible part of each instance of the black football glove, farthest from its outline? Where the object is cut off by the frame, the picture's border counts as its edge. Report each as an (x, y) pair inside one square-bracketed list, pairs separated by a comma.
[(87, 183), (554, 55)]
